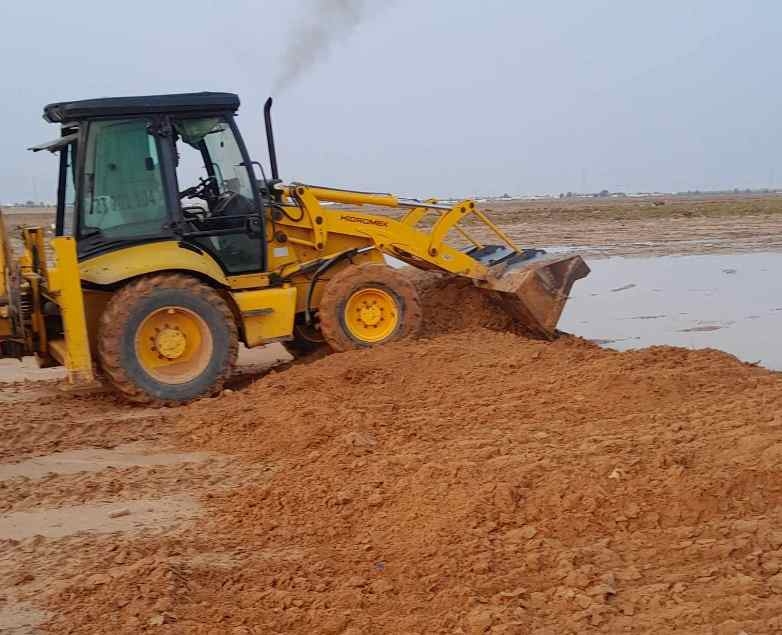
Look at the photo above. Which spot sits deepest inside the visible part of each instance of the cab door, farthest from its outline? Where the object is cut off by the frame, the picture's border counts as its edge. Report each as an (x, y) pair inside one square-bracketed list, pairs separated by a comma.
[(219, 204)]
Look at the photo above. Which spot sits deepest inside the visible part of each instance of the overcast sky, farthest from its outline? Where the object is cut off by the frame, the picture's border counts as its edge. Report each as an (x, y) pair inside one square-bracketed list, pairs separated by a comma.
[(430, 96)]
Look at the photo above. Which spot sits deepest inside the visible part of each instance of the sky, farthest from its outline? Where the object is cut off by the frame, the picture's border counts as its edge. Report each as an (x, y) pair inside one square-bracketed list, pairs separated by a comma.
[(428, 97)]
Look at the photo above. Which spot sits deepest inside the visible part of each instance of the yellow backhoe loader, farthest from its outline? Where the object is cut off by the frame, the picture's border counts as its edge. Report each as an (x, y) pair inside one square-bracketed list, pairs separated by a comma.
[(171, 247)]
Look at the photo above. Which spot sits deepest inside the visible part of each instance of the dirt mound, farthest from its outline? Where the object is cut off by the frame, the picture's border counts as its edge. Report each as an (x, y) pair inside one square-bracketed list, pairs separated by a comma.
[(454, 304), (477, 483)]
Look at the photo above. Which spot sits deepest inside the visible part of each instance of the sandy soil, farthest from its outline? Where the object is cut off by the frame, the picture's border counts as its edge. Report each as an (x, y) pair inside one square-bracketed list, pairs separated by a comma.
[(251, 361), (475, 482)]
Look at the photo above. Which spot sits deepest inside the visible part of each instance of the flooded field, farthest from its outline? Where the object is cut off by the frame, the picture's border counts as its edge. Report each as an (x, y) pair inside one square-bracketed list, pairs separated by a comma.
[(685, 271), (729, 302)]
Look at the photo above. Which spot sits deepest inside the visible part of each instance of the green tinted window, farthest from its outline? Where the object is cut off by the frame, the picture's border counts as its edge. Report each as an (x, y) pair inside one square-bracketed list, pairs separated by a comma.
[(123, 190)]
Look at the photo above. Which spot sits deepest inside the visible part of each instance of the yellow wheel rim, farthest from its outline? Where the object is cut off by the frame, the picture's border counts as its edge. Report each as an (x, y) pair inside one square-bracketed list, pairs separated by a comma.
[(174, 345), (371, 315)]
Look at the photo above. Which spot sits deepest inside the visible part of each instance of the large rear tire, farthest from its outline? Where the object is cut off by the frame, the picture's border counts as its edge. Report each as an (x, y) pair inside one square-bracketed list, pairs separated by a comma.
[(368, 305), (167, 339)]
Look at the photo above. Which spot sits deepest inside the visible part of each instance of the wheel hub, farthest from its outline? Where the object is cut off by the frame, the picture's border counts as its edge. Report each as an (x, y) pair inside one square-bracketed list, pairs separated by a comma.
[(171, 342), (370, 314), (174, 345)]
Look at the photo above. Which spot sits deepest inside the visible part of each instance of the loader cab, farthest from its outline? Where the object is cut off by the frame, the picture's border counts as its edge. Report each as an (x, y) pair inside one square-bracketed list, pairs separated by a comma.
[(137, 170)]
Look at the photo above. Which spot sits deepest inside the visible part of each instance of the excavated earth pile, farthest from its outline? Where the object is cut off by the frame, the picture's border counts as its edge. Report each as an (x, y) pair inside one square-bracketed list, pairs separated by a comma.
[(476, 482), (472, 482), (451, 305)]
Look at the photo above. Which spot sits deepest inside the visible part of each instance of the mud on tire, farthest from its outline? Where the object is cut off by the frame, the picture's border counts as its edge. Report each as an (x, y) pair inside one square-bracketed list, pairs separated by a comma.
[(354, 279), (123, 318)]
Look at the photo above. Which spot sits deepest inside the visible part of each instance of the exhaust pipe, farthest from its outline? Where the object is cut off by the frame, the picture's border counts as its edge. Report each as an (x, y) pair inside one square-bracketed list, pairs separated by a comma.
[(267, 117)]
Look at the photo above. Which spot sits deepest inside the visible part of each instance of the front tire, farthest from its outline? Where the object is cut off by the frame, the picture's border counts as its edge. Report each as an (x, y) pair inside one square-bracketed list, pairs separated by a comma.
[(167, 339), (368, 305)]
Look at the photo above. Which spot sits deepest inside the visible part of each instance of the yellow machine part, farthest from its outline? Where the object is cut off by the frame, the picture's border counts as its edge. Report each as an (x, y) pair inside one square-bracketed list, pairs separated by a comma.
[(267, 314), (64, 284), (371, 315), (5, 256), (531, 287), (123, 264), (174, 345), (324, 231), (6, 327)]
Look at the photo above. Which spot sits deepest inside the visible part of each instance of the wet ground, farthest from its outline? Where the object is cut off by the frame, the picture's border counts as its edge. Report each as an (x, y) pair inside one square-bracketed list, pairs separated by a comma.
[(686, 271), (729, 302), (113, 518), (251, 362)]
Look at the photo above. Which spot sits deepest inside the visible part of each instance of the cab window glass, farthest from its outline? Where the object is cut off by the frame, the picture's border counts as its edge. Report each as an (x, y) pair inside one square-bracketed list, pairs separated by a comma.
[(220, 157), (68, 202), (123, 194), (216, 192)]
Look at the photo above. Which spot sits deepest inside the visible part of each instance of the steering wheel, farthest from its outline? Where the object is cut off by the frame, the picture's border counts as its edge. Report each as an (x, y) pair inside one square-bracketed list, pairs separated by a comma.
[(224, 202), (206, 189)]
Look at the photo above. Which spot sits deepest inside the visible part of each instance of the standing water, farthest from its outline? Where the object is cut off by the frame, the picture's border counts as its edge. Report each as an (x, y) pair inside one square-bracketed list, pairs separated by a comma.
[(729, 302)]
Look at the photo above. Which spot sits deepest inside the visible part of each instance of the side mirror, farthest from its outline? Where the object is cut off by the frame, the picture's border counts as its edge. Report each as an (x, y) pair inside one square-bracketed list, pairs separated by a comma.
[(262, 177), (266, 186)]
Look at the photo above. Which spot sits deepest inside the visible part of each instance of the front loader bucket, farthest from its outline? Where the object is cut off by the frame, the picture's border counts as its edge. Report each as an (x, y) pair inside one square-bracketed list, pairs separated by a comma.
[(533, 288)]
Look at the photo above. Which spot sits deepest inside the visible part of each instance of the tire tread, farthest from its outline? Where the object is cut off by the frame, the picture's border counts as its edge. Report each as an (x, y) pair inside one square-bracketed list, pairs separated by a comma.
[(344, 283), (117, 314)]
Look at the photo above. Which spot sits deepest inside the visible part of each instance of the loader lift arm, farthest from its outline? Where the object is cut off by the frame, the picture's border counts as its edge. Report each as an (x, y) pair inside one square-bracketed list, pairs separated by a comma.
[(401, 239), (532, 286)]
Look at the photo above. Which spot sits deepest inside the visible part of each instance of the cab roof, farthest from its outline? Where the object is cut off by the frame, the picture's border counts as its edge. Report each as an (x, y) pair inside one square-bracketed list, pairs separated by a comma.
[(67, 111)]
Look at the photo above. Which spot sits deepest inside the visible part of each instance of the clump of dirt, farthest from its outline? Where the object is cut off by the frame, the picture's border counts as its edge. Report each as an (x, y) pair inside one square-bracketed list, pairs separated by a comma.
[(479, 482)]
